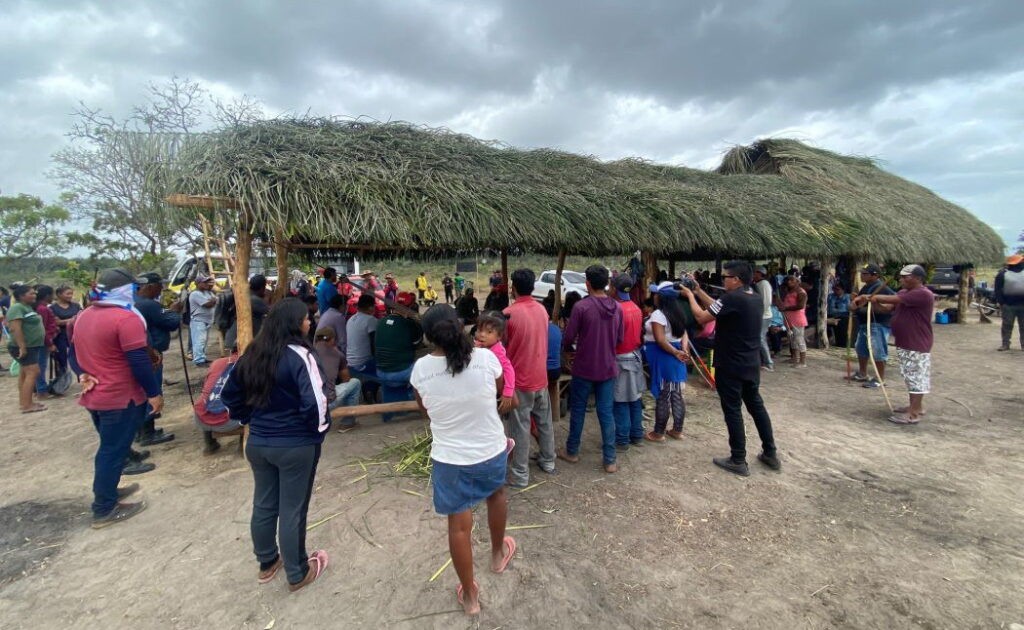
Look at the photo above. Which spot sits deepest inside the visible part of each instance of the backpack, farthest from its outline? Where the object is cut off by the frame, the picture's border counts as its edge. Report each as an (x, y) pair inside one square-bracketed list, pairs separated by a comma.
[(225, 313), (215, 404)]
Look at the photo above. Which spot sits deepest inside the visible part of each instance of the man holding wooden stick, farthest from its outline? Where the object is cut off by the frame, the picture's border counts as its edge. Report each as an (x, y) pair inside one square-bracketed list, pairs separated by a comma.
[(912, 328), (870, 276)]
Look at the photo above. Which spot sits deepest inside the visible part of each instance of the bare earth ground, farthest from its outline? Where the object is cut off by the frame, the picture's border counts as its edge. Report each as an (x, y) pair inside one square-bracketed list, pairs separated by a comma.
[(870, 525)]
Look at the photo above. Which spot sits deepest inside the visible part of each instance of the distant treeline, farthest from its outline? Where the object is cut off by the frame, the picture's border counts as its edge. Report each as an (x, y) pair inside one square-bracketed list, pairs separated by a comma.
[(47, 270)]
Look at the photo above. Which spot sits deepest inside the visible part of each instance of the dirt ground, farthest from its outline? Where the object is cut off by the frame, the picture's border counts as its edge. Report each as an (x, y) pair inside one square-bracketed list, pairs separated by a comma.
[(869, 525)]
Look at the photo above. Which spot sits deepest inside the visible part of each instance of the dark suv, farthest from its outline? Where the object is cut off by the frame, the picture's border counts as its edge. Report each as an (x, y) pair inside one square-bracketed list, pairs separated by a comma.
[(945, 280)]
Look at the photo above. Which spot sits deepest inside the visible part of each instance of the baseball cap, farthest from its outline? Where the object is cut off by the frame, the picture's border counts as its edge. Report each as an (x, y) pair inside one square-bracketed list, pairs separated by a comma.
[(1015, 259), (113, 278), (623, 283), (762, 270), (913, 270), (871, 268), (150, 277), (405, 298), (202, 277)]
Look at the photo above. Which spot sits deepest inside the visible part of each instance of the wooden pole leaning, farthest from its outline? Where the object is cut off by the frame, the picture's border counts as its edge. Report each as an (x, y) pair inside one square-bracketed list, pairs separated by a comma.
[(871, 357), (281, 248), (556, 311), (822, 323)]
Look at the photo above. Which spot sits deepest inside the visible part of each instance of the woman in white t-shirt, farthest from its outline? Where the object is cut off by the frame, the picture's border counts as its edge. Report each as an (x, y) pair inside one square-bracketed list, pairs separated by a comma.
[(456, 385), (665, 345)]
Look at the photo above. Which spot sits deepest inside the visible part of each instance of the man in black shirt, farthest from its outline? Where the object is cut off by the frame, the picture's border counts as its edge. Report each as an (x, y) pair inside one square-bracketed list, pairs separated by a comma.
[(737, 362), (160, 323)]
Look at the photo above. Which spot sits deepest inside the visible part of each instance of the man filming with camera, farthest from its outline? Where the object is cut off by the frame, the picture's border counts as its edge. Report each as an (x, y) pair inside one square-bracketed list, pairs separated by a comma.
[(738, 315)]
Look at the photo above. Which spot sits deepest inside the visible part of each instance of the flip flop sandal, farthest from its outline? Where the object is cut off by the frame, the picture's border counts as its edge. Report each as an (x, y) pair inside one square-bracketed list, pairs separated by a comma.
[(903, 410), (510, 544), (268, 575), (458, 590), (36, 408), (321, 560), (903, 419)]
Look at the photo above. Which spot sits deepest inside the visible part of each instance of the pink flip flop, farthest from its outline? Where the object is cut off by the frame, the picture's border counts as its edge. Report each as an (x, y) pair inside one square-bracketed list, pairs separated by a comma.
[(321, 559), (510, 544), (458, 590)]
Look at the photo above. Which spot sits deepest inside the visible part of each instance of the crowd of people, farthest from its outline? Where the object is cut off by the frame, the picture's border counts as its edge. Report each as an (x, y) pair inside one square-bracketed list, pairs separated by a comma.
[(487, 380)]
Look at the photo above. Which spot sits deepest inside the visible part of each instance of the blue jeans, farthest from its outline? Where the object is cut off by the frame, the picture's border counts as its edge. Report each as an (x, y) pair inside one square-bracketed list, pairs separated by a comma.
[(579, 394), (117, 430), (42, 386), (629, 421), (197, 332), (346, 395), (879, 341), (394, 387)]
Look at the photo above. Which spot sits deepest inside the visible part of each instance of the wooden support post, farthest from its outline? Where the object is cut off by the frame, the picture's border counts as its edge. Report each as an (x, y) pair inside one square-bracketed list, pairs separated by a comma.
[(962, 300), (650, 262), (504, 266), (671, 268), (240, 282), (556, 311), (718, 268), (281, 252), (823, 292)]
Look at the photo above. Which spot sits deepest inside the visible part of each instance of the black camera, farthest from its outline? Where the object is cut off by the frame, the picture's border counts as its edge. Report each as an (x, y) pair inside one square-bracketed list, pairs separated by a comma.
[(687, 281)]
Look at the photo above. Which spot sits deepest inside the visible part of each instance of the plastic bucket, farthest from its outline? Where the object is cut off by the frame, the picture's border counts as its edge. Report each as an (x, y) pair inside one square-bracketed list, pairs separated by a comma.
[(941, 318)]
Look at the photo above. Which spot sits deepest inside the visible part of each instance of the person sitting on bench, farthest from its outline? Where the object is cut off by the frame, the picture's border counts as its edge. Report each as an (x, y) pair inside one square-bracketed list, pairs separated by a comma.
[(211, 414)]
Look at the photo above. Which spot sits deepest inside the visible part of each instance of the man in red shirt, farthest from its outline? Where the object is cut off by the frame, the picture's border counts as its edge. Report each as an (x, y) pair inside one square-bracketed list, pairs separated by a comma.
[(109, 353), (912, 330), (527, 333), (629, 384)]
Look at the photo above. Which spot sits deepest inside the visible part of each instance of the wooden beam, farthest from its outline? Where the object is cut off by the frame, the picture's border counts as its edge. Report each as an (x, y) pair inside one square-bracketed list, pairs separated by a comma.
[(671, 268), (504, 266), (822, 323), (281, 252), (962, 297), (556, 310), (240, 283), (369, 410), (202, 201)]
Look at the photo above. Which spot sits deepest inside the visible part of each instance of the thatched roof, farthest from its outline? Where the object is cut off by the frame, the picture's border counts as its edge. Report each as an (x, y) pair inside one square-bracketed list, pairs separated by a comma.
[(397, 186), (895, 219)]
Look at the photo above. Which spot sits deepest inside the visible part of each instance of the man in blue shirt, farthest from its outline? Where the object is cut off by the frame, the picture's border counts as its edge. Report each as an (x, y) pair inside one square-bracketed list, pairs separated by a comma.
[(326, 289), (839, 310)]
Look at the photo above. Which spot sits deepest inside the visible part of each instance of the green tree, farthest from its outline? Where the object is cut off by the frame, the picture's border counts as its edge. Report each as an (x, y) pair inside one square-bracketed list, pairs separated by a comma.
[(30, 228)]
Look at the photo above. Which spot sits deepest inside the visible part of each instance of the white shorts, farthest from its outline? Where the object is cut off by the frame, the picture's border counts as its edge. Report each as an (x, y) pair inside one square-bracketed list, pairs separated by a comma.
[(916, 368)]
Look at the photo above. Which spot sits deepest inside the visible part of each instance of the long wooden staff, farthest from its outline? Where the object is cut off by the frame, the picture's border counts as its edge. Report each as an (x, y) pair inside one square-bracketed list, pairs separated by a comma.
[(849, 337), (871, 355)]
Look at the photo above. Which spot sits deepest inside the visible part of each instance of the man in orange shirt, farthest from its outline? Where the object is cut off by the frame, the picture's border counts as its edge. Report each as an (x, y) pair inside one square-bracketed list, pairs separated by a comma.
[(527, 333), (629, 384)]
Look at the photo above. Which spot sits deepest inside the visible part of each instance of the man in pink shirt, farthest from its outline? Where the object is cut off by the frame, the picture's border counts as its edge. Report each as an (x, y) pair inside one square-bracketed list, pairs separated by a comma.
[(109, 353), (528, 350)]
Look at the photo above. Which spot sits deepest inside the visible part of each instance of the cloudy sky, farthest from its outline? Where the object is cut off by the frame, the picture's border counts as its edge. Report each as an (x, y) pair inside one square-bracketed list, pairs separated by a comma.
[(933, 89)]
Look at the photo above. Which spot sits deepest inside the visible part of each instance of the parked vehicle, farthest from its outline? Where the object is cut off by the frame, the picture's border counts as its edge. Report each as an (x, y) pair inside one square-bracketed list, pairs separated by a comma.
[(945, 280), (571, 281)]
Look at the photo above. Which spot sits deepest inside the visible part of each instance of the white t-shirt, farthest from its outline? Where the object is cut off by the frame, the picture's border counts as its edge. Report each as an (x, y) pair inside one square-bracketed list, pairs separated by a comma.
[(658, 317), (463, 408), (765, 291)]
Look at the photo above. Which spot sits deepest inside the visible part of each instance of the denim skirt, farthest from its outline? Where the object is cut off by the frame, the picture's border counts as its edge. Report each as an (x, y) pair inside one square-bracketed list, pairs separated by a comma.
[(460, 488)]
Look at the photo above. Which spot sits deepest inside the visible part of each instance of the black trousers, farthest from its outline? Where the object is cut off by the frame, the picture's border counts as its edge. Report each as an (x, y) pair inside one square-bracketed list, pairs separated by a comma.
[(734, 393), (447, 295), (283, 479)]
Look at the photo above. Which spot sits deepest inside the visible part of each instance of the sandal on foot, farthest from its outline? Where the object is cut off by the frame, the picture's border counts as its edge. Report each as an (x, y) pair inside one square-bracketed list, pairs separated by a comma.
[(901, 418), (654, 437), (675, 435), (458, 591), (510, 544), (265, 576), (905, 410), (320, 558), (36, 408)]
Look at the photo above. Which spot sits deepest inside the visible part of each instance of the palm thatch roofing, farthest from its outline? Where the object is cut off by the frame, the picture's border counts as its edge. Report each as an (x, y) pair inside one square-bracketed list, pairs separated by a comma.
[(895, 219), (400, 187)]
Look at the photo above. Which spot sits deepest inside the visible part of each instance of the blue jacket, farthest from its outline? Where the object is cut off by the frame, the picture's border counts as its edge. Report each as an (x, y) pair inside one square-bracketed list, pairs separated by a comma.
[(296, 414), (159, 323)]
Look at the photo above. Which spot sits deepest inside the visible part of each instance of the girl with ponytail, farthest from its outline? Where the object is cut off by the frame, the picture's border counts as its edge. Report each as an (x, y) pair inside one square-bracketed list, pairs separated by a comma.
[(456, 385)]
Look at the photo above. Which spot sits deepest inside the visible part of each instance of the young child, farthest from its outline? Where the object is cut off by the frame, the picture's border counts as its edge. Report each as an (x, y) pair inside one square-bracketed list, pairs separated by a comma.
[(490, 329), (455, 385)]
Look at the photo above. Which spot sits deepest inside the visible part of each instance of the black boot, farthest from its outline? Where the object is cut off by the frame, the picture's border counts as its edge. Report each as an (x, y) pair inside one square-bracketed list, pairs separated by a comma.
[(151, 435), (212, 445)]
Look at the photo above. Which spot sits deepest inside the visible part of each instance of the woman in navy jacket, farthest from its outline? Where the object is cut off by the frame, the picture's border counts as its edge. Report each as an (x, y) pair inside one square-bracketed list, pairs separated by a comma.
[(277, 388)]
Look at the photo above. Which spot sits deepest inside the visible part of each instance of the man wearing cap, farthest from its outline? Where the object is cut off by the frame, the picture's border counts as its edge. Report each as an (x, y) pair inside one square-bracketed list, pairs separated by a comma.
[(870, 275), (109, 345), (629, 384), (764, 289), (201, 303), (1009, 293), (527, 335), (394, 350), (160, 324), (912, 329)]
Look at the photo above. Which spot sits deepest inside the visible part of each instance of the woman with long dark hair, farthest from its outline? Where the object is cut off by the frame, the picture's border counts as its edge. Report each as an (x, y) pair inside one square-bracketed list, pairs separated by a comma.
[(456, 385), (277, 388), (665, 344), (64, 309)]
